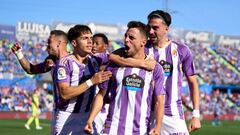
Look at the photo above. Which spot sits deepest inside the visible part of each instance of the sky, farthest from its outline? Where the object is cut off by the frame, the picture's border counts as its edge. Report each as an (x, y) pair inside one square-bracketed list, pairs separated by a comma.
[(217, 16)]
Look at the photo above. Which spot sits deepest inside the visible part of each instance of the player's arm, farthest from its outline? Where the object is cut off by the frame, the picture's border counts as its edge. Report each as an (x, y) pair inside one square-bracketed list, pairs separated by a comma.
[(68, 92), (159, 93), (189, 71), (26, 65), (194, 94), (117, 58), (95, 109), (158, 115)]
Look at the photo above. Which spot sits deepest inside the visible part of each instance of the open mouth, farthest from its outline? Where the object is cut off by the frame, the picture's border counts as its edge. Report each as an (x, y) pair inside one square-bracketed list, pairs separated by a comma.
[(126, 48), (152, 37)]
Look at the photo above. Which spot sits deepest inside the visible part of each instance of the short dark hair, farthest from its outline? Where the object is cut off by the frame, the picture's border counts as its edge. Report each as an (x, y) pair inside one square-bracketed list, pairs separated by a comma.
[(77, 30), (103, 36), (165, 16), (59, 33), (139, 25)]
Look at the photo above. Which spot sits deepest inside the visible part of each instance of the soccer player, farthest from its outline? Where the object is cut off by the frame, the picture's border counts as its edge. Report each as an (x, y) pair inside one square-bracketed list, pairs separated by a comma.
[(132, 91), (100, 45), (216, 112), (35, 110), (56, 47), (73, 100), (176, 60)]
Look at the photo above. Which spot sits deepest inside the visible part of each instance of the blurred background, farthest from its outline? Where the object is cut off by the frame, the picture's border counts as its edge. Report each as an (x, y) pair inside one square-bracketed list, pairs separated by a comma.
[(209, 28)]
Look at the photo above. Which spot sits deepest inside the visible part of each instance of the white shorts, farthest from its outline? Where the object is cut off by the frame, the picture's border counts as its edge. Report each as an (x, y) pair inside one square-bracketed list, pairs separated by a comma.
[(100, 119), (66, 123), (173, 126)]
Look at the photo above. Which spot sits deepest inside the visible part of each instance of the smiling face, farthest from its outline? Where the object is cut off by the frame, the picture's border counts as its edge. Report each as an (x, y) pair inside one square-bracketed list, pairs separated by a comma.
[(157, 29), (98, 45), (53, 45), (134, 42)]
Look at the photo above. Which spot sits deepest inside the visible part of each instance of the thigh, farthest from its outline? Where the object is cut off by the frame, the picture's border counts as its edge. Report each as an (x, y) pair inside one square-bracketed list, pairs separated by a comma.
[(173, 125), (66, 123)]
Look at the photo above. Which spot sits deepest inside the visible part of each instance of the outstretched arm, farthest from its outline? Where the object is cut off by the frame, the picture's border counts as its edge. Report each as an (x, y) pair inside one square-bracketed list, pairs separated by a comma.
[(148, 63), (26, 65), (194, 93)]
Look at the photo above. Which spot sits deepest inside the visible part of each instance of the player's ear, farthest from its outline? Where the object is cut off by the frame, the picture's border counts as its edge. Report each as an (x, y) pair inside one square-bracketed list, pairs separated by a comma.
[(74, 43), (167, 28), (144, 42)]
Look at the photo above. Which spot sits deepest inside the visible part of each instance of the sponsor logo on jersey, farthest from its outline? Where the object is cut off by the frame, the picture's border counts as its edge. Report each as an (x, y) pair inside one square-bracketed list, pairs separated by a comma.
[(167, 67), (133, 82)]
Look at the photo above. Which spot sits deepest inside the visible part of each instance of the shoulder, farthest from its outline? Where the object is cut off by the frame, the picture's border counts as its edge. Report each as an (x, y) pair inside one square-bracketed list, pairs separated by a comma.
[(182, 49), (66, 59), (99, 55), (119, 51)]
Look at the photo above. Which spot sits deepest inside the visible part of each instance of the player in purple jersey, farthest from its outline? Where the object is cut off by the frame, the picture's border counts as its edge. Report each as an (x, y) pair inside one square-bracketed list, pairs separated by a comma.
[(100, 45), (176, 60), (56, 47), (73, 100), (132, 91)]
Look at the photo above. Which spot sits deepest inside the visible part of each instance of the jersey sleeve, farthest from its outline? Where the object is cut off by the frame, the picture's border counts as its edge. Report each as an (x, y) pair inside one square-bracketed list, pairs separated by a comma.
[(63, 72), (187, 62), (158, 78), (104, 57), (105, 85)]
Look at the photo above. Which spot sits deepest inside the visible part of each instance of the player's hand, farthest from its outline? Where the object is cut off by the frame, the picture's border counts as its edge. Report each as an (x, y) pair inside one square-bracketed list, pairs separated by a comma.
[(88, 129), (49, 63), (16, 47), (194, 124), (154, 131), (150, 63), (101, 76)]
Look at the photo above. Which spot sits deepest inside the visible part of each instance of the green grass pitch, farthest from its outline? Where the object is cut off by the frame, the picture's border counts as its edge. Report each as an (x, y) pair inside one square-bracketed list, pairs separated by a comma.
[(16, 127)]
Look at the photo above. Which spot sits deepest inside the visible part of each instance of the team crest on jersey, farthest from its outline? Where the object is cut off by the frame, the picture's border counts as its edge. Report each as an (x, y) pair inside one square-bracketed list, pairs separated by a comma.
[(61, 74), (133, 82), (174, 52), (167, 67)]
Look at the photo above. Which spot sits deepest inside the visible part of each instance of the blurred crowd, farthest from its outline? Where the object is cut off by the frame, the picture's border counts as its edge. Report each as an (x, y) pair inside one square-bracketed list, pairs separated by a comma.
[(210, 68), (229, 103), (18, 99), (230, 52), (35, 53)]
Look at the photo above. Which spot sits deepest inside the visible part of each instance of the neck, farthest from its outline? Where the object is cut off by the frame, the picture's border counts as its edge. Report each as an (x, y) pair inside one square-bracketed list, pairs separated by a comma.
[(162, 43), (63, 54), (80, 58), (140, 55)]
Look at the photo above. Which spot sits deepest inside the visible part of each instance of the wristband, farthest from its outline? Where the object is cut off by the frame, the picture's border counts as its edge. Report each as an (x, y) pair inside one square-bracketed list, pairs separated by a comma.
[(19, 54), (196, 113), (89, 83)]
